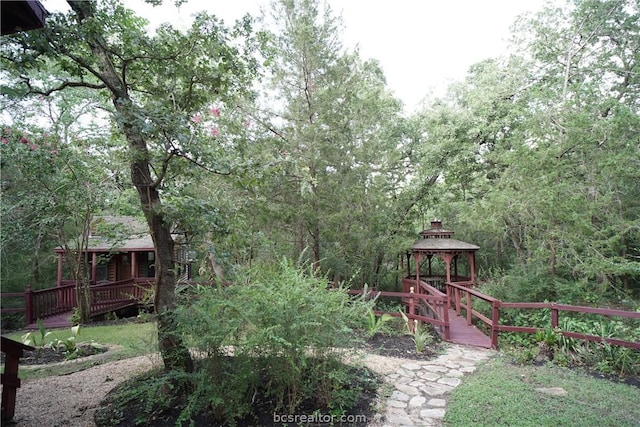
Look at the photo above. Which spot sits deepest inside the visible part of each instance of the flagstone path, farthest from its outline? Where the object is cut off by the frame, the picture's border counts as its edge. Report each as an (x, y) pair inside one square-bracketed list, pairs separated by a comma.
[(420, 388)]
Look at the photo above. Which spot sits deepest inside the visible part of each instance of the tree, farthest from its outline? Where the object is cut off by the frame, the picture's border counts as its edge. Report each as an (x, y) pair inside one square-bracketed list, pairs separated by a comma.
[(541, 152), (50, 187), (155, 84), (334, 124)]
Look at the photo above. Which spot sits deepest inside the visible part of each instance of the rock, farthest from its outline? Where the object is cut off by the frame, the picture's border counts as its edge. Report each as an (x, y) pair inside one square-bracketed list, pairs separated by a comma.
[(417, 401), (437, 402), (432, 413), (398, 395), (553, 391)]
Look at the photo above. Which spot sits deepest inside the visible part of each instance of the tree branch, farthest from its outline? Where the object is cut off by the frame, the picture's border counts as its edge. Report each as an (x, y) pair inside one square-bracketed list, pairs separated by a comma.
[(63, 86)]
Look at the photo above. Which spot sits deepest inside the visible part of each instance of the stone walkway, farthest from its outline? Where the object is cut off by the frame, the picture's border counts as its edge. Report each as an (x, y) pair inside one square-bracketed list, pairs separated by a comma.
[(420, 389)]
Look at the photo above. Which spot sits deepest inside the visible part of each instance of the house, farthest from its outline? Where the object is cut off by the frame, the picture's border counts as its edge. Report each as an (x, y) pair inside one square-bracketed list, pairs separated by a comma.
[(120, 248)]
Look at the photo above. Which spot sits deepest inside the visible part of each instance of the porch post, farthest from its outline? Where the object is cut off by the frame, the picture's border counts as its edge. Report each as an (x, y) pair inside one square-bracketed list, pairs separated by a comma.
[(134, 265), (94, 266), (472, 266)]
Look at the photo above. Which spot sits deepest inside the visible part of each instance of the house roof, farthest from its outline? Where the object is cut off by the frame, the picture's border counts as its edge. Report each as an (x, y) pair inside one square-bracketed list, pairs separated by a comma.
[(118, 234), (22, 15)]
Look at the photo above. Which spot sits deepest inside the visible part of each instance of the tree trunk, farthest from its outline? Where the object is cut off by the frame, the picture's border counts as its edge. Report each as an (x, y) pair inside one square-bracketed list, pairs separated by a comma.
[(174, 354)]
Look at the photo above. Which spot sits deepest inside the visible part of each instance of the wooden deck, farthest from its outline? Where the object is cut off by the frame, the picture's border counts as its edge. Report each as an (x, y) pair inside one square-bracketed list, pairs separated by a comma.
[(461, 333)]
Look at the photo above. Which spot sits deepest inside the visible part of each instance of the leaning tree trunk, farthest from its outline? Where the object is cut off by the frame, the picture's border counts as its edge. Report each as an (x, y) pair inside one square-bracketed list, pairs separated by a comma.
[(174, 354)]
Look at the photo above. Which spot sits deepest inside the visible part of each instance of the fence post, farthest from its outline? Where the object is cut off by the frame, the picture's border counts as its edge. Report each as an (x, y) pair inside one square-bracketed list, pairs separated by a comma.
[(411, 310), (468, 309), (28, 305), (554, 316), (447, 329), (495, 322)]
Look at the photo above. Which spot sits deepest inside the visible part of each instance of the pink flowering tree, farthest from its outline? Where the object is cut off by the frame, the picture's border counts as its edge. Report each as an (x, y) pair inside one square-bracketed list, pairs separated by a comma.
[(53, 188)]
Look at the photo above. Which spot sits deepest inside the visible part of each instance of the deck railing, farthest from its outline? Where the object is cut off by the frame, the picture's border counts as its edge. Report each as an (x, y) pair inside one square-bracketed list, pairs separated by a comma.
[(113, 296), (461, 297), (49, 302), (105, 297)]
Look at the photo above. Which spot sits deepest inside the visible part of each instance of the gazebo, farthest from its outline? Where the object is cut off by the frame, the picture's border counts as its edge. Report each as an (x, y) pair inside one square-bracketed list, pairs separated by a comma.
[(435, 248)]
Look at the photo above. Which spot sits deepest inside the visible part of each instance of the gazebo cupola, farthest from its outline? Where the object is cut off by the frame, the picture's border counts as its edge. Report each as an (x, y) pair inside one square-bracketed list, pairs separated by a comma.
[(439, 258)]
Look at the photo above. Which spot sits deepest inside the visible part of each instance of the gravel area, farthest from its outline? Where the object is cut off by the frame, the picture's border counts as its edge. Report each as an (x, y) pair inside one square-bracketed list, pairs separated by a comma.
[(71, 400)]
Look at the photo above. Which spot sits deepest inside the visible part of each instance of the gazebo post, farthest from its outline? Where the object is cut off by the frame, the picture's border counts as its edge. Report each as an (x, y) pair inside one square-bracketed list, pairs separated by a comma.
[(455, 266), (59, 278), (408, 255), (417, 256), (472, 266), (447, 261)]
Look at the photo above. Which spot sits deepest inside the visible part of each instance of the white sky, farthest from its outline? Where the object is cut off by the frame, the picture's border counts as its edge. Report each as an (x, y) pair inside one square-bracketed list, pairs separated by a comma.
[(422, 45)]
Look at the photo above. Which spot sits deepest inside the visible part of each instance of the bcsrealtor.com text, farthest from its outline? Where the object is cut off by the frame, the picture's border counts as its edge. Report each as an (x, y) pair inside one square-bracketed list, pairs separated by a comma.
[(321, 419)]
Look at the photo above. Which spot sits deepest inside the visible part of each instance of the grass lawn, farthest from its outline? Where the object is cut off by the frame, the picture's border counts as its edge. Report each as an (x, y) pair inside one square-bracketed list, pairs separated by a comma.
[(127, 339), (504, 394)]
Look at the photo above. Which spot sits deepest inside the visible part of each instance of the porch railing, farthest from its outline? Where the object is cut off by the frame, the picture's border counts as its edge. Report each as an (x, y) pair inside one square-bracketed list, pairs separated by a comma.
[(105, 297)]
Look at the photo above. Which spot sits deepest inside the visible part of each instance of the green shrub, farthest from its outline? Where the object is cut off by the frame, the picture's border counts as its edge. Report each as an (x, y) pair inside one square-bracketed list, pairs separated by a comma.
[(286, 332)]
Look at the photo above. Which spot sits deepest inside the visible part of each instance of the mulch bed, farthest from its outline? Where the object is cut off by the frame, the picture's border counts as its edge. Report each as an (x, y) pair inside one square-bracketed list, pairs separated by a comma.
[(48, 355), (401, 346)]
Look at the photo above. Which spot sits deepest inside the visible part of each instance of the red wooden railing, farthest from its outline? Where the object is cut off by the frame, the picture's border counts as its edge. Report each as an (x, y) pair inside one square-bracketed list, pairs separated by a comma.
[(436, 303), (428, 305), (105, 297), (49, 302), (113, 296), (461, 297)]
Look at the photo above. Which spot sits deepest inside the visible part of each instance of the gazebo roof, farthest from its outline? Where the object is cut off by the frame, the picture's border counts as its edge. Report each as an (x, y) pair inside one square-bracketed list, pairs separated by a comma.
[(443, 245), (437, 239)]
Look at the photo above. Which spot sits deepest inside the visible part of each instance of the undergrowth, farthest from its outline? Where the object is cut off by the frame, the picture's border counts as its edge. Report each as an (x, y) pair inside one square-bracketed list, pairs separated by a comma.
[(279, 333)]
